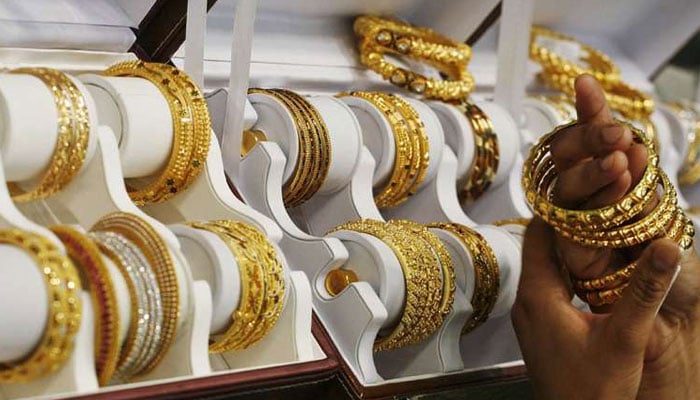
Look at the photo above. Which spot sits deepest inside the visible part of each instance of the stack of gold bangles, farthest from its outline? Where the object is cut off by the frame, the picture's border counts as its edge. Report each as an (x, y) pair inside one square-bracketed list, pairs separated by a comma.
[(314, 155), (410, 143), (379, 36), (620, 225)]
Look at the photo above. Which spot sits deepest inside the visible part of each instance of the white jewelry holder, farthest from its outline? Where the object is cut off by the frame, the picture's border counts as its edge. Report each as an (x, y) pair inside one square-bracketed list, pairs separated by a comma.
[(540, 118), (139, 110), (505, 197)]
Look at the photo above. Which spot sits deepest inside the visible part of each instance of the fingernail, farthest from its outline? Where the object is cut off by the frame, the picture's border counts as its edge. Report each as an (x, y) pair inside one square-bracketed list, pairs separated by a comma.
[(611, 134), (665, 258), (607, 163), (670, 286)]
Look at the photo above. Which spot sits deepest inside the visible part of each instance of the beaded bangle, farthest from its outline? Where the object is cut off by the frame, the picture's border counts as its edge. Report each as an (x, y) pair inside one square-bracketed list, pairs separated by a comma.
[(64, 308)]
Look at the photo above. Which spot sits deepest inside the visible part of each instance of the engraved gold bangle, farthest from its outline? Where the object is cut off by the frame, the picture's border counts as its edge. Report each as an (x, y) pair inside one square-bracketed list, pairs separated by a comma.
[(380, 36), (145, 237), (486, 272), (314, 155), (72, 139), (64, 308), (486, 152), (598, 63), (411, 147), (421, 315), (191, 129), (96, 277), (262, 284)]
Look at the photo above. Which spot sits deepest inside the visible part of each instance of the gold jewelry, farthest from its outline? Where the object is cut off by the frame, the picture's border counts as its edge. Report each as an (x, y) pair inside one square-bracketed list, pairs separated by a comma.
[(486, 272), (86, 255), (72, 139), (314, 155), (598, 63), (603, 297), (609, 281), (512, 221), (64, 308), (251, 137), (411, 147), (421, 315), (145, 237), (380, 36), (191, 128), (486, 152), (262, 284)]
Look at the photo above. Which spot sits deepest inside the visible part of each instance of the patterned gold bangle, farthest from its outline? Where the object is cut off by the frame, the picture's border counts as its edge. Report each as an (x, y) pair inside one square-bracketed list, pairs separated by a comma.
[(262, 284), (486, 272), (421, 315), (72, 140), (446, 264), (314, 156), (602, 297), (191, 129), (598, 63), (380, 36), (410, 143), (87, 257), (145, 237), (537, 194), (605, 282), (64, 308), (486, 152)]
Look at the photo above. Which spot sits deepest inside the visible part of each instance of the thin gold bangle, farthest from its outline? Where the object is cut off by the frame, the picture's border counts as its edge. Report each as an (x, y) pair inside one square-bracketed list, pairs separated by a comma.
[(191, 129), (72, 139), (64, 308)]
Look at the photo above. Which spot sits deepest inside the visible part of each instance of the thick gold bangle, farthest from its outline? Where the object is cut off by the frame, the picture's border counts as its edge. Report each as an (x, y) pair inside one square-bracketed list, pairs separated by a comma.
[(410, 143), (72, 139), (145, 237), (446, 264), (421, 315), (191, 129), (598, 63), (262, 284), (486, 272), (380, 36), (64, 308), (486, 152), (314, 156), (87, 257)]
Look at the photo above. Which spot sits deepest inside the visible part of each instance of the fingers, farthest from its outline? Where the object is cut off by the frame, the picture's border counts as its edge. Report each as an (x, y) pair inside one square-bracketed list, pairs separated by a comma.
[(578, 183), (582, 141), (633, 316), (590, 100)]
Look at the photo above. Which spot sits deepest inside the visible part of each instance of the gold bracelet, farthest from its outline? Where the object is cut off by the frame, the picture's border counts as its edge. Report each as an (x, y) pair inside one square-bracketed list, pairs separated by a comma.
[(87, 257), (410, 143), (314, 155), (446, 264), (421, 315), (262, 284), (191, 129), (598, 63), (72, 139), (605, 282), (64, 308), (486, 152), (145, 237), (486, 272), (380, 36)]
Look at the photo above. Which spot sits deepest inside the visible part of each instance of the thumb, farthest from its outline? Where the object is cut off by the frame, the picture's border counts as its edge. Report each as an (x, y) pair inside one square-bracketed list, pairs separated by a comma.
[(633, 316), (590, 100)]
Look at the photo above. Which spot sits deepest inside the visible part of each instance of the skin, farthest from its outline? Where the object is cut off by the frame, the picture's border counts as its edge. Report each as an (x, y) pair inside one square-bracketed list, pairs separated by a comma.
[(645, 346)]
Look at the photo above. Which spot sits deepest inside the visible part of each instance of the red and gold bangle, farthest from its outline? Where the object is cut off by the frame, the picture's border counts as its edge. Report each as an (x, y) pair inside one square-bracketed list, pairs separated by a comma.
[(86, 256)]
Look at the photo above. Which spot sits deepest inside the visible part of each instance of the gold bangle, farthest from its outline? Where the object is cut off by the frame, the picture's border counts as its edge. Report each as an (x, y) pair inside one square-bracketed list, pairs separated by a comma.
[(87, 257), (64, 308), (314, 155), (602, 297), (145, 237), (446, 264), (486, 272), (598, 63), (191, 129), (262, 284), (410, 143), (379, 36), (486, 152), (512, 221), (72, 139), (421, 315)]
